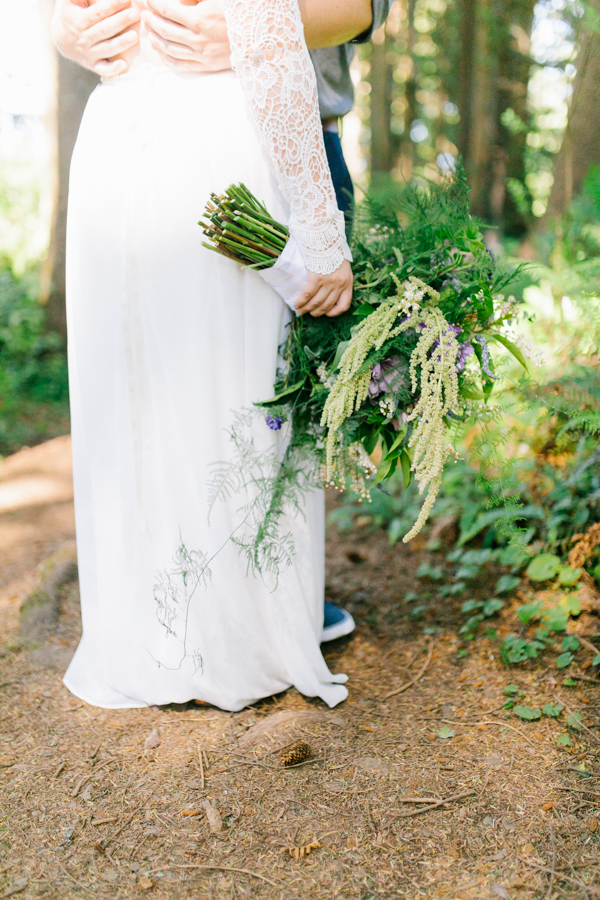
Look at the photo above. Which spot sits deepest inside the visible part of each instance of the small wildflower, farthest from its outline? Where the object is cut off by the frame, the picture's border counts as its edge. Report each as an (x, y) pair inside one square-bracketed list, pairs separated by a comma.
[(485, 357), (324, 377), (274, 422), (464, 352), (453, 454), (387, 407), (526, 347)]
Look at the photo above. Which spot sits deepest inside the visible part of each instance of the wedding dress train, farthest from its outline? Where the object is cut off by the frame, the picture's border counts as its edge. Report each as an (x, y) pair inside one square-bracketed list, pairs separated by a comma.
[(166, 342)]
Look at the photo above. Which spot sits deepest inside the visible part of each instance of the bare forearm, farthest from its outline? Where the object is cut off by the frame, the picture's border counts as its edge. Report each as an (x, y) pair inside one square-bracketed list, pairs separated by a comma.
[(328, 23)]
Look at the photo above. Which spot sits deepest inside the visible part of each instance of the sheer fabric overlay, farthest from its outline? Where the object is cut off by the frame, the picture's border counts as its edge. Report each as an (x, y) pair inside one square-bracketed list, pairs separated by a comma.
[(270, 57)]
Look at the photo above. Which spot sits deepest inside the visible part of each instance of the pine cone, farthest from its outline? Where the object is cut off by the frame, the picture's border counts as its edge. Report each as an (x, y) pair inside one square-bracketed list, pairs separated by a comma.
[(297, 753)]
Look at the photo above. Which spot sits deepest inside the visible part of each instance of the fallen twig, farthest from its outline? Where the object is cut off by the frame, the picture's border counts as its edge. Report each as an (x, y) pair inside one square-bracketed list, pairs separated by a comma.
[(574, 790), (417, 812), (223, 869), (553, 864), (584, 678), (588, 644), (487, 722), (59, 769), (561, 876), (201, 763), (412, 681), (123, 827), (80, 784), (68, 874), (579, 722), (16, 890)]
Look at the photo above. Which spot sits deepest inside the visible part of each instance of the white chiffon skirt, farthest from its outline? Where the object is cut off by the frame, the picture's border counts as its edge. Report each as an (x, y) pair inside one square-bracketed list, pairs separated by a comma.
[(166, 342)]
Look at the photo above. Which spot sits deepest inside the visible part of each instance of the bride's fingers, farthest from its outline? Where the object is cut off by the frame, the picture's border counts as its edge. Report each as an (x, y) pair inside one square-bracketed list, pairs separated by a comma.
[(325, 302), (318, 301), (342, 304)]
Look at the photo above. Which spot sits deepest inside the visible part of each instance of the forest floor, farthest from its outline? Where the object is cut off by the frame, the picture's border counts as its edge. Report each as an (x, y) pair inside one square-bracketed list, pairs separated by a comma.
[(421, 785)]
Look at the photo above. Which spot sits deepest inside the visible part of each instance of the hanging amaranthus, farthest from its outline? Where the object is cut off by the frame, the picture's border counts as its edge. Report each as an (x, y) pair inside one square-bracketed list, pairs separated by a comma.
[(437, 388), (435, 354)]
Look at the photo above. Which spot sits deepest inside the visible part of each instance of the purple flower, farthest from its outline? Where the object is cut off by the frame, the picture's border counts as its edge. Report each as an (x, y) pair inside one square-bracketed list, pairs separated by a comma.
[(464, 352), (385, 377), (452, 329), (452, 282), (485, 357), (274, 422)]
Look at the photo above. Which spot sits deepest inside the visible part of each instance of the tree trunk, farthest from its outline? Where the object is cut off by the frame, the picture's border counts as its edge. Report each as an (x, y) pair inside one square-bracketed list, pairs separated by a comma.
[(74, 86), (381, 106), (466, 74), (493, 72), (581, 144)]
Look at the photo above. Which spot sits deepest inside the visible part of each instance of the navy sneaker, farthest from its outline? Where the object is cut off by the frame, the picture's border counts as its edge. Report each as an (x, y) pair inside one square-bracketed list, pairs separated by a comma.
[(336, 623)]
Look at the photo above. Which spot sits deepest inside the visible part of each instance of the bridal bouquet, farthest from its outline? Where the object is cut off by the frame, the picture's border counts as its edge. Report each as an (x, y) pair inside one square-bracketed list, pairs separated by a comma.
[(383, 385)]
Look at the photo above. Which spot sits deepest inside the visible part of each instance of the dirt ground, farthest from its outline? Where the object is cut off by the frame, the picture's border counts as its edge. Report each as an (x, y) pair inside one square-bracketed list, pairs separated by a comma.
[(420, 785)]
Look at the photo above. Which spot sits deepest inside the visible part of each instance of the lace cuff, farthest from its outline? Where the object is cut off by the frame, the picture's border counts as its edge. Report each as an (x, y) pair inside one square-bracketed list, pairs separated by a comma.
[(324, 247)]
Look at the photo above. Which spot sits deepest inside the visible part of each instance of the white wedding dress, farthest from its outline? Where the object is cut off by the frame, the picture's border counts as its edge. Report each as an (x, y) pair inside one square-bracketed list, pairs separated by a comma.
[(166, 342)]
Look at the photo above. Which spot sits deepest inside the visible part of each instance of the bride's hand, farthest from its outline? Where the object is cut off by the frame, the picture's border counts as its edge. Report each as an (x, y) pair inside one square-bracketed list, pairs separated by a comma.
[(327, 295), (189, 38)]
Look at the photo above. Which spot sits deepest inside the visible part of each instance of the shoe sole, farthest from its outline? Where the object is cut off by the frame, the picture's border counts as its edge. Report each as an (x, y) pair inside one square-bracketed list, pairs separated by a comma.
[(340, 629)]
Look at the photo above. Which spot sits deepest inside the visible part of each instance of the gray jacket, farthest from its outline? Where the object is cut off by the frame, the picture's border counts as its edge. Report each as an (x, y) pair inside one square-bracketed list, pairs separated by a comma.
[(332, 67)]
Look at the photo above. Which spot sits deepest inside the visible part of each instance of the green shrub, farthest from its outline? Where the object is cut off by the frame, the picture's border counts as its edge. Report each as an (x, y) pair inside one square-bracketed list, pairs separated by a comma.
[(33, 367)]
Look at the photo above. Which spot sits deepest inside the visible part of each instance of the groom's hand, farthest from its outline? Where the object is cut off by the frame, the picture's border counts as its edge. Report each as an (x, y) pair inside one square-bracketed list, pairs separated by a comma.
[(189, 38), (94, 36)]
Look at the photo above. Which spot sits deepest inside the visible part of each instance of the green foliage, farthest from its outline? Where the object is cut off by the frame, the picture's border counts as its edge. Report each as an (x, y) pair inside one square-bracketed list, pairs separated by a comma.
[(551, 711), (507, 583), (445, 732), (434, 573), (33, 368), (516, 650), (543, 567), (564, 660), (529, 611), (527, 714), (568, 576), (486, 609)]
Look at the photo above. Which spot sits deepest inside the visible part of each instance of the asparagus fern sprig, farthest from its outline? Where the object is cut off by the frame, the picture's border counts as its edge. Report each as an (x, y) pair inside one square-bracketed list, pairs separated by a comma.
[(238, 226)]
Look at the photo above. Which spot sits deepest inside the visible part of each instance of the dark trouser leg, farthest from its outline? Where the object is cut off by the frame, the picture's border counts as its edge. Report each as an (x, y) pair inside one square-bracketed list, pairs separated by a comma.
[(344, 189)]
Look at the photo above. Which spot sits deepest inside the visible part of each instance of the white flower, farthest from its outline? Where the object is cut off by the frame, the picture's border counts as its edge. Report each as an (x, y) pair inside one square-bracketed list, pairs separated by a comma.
[(324, 377), (387, 407), (526, 347)]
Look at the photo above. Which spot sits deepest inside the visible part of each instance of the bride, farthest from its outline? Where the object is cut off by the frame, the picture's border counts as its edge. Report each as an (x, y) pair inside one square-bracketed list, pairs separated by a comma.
[(166, 342)]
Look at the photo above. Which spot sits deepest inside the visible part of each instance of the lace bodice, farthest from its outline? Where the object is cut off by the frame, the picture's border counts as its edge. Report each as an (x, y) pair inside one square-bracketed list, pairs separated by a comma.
[(269, 54)]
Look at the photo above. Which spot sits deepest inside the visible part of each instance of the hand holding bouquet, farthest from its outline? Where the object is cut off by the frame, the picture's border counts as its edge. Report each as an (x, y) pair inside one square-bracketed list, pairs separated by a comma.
[(241, 228), (412, 355)]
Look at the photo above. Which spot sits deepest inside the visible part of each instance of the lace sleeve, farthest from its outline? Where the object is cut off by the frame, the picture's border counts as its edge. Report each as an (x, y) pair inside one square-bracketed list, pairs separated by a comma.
[(269, 54)]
